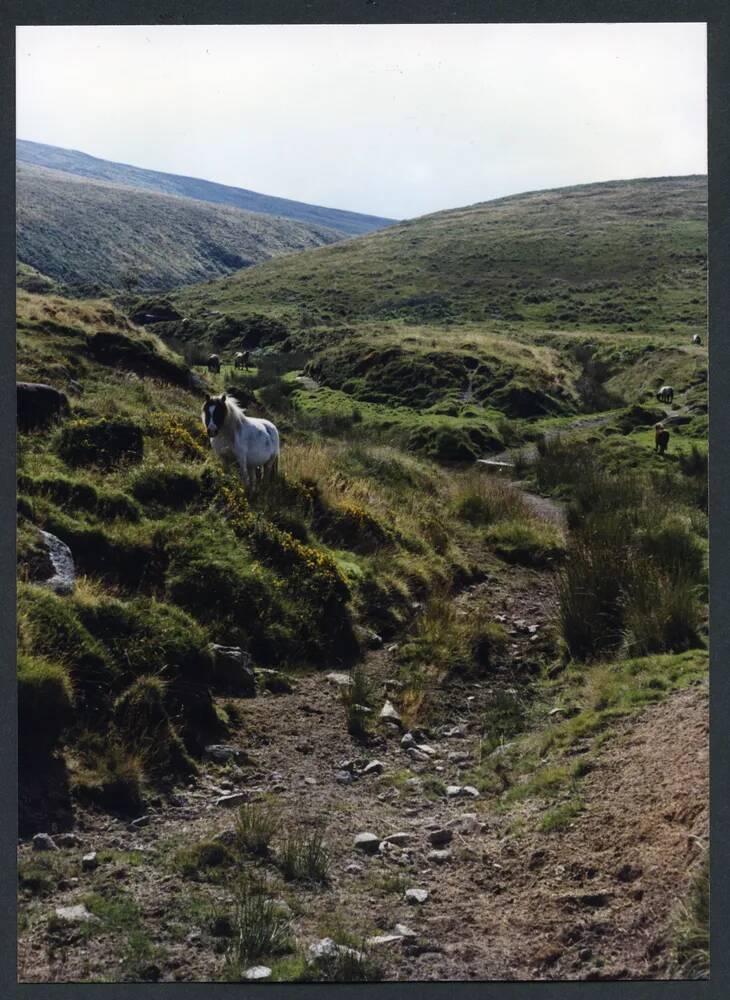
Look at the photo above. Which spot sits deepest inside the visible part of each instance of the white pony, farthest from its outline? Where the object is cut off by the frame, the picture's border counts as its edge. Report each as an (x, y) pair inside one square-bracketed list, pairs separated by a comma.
[(251, 442)]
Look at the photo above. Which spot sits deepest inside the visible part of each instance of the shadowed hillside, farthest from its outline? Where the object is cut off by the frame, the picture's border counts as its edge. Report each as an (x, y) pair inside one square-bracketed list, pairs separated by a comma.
[(92, 233), (83, 165)]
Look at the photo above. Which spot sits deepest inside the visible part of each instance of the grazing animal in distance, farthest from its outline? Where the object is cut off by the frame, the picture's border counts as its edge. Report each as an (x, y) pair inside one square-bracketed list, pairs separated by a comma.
[(241, 359), (39, 405), (696, 339), (665, 394), (251, 442), (661, 438), (214, 364)]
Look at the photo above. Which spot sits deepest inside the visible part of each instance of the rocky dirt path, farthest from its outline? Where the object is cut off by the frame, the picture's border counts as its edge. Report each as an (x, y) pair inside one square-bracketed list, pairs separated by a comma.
[(501, 900)]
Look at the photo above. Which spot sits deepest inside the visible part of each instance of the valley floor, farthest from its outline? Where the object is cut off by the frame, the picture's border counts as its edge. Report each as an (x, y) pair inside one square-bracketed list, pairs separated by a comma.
[(594, 899)]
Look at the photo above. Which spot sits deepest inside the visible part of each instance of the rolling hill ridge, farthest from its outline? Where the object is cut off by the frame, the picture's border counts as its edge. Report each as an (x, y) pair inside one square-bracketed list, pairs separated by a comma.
[(89, 232), (91, 167), (620, 256)]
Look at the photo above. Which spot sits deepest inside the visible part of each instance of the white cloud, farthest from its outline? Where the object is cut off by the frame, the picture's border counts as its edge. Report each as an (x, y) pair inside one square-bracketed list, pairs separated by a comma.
[(394, 120)]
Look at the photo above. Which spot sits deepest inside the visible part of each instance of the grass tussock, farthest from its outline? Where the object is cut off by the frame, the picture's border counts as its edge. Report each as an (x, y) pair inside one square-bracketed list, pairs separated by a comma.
[(691, 945), (303, 856), (256, 826)]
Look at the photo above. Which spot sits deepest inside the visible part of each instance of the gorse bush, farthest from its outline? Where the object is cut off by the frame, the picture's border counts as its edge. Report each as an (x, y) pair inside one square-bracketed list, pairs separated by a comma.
[(104, 443)]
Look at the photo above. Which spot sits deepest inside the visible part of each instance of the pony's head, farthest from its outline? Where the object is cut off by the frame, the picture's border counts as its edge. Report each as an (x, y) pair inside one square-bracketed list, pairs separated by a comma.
[(214, 414)]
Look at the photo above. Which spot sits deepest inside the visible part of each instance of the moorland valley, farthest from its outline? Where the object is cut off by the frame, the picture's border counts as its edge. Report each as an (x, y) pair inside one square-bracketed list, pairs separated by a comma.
[(399, 713)]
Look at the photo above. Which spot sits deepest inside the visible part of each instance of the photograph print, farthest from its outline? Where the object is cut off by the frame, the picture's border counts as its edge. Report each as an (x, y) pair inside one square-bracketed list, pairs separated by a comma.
[(362, 519)]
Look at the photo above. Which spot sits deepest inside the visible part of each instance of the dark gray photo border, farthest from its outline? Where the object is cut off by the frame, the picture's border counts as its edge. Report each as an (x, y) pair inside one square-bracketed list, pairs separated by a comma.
[(717, 15)]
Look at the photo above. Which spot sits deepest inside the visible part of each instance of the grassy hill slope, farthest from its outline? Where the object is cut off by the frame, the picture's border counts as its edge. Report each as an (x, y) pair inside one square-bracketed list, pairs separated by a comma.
[(535, 306), (89, 232), (626, 255), (93, 168)]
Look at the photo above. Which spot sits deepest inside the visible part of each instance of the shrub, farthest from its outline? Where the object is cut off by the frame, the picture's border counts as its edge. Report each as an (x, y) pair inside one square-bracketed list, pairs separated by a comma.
[(189, 442), (105, 443), (143, 723), (139, 354), (303, 856), (77, 495), (49, 626), (110, 776), (45, 706), (174, 488), (482, 500), (131, 558), (204, 860), (674, 549), (350, 526), (255, 828), (526, 543)]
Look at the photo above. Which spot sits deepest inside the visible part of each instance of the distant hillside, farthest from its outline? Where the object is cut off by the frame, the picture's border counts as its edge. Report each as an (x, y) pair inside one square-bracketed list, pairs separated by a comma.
[(84, 232), (73, 162), (618, 256)]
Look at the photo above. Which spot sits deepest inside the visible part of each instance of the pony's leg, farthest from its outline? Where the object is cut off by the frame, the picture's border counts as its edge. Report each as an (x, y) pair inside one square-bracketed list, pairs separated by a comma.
[(243, 475)]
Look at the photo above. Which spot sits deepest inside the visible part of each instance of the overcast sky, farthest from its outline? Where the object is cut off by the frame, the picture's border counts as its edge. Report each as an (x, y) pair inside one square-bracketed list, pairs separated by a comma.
[(392, 120)]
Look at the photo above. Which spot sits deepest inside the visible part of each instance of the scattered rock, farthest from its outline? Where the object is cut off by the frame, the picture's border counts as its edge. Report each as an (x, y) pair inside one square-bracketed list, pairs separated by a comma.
[(229, 801), (344, 777), (417, 754), (89, 862), (257, 972), (353, 868), (384, 939), (310, 781), (461, 792), (368, 638), (452, 732), (140, 822), (327, 948), (407, 740), (392, 684), (338, 678), (38, 404), (459, 756), (416, 896), (76, 914), (44, 842), (405, 931), (63, 579), (367, 842), (389, 713), (440, 837), (439, 857), (398, 839), (222, 753), (232, 670), (68, 840)]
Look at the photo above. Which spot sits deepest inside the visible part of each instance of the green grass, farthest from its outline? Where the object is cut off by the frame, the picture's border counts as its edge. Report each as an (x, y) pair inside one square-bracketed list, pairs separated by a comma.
[(691, 944)]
